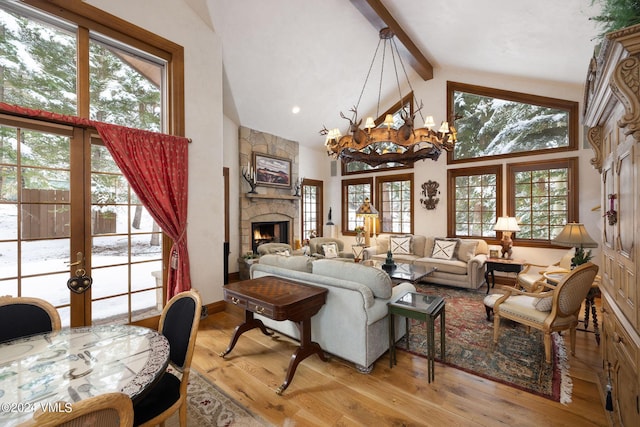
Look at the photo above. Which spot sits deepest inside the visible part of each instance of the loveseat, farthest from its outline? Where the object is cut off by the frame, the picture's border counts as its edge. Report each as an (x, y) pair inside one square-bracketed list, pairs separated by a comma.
[(353, 324), (458, 262)]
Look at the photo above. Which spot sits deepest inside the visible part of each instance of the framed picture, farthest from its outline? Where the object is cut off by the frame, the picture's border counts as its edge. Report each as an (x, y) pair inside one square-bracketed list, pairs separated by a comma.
[(272, 171)]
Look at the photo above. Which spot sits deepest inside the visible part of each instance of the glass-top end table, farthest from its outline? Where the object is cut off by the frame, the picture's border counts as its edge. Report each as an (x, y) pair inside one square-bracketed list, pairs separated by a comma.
[(408, 272), (424, 308), (427, 304)]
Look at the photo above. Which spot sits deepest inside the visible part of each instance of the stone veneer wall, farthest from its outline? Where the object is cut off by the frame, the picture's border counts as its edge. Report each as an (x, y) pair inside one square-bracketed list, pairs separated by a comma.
[(265, 209)]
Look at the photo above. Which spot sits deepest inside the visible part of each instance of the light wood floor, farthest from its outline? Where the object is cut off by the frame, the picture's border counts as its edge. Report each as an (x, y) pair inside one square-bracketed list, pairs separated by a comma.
[(335, 394)]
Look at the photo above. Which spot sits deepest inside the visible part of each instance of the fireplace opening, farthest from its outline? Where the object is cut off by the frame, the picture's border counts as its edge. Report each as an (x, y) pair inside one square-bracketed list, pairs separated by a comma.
[(269, 232)]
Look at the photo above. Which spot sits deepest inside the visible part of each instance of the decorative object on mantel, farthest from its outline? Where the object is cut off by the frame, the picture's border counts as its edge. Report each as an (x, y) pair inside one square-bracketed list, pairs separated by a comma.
[(575, 235), (506, 224), (430, 191), (297, 186), (616, 14), (378, 145), (611, 214), (249, 175)]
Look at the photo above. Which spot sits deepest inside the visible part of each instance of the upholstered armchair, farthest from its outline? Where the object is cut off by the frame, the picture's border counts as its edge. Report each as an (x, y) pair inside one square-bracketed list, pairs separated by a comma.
[(550, 311), (274, 248), (531, 277), (321, 247)]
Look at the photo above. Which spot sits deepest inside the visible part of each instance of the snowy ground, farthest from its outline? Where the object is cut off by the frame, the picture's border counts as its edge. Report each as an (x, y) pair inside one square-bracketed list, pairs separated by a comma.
[(46, 261)]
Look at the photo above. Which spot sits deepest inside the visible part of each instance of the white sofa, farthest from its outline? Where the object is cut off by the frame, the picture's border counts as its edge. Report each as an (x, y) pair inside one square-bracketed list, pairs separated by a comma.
[(465, 269), (353, 324)]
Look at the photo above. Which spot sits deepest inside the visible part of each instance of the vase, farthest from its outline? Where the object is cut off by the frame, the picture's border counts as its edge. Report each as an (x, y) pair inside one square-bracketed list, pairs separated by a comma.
[(359, 239)]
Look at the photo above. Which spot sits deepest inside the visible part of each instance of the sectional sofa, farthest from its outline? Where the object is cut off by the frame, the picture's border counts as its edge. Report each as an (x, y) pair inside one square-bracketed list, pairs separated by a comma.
[(353, 324), (458, 262)]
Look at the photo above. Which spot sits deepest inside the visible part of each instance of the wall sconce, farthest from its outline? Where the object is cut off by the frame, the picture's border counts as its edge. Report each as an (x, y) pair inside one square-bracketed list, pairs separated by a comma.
[(430, 191)]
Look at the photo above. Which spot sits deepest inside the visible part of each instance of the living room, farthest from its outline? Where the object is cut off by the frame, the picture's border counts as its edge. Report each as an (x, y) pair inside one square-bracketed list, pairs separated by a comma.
[(218, 111)]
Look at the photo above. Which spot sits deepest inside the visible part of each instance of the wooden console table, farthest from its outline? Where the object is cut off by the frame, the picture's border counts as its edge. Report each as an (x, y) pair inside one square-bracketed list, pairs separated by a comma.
[(278, 299), (501, 264)]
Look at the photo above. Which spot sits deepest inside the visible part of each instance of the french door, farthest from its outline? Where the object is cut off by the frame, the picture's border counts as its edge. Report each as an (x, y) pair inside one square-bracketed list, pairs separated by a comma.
[(66, 211)]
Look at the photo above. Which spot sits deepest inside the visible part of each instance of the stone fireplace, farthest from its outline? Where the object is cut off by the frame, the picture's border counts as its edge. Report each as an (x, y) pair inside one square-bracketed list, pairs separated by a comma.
[(269, 232), (274, 208)]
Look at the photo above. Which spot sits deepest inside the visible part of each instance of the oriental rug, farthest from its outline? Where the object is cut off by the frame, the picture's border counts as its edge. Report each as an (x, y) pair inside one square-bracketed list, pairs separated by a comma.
[(210, 406), (517, 360)]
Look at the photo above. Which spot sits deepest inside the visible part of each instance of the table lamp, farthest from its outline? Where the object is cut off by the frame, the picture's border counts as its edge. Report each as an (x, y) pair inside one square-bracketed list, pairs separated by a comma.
[(575, 235), (507, 225), (367, 211)]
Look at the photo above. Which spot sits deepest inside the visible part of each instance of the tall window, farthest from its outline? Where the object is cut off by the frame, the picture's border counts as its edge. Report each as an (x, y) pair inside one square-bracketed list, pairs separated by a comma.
[(394, 198), (499, 123), (63, 190), (543, 197), (311, 207), (354, 192), (474, 201)]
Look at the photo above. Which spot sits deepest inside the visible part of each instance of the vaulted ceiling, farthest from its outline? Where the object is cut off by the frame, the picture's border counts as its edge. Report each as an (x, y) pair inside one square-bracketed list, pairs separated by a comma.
[(315, 54)]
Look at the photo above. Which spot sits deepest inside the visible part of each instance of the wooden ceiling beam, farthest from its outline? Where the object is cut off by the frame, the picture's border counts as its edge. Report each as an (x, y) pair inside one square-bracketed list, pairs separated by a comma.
[(378, 15)]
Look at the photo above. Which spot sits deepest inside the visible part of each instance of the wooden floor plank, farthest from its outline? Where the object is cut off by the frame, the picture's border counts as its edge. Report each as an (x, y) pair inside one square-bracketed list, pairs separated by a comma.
[(335, 394)]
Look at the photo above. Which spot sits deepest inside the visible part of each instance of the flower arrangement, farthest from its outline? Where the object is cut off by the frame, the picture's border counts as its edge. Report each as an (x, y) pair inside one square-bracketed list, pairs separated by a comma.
[(359, 229)]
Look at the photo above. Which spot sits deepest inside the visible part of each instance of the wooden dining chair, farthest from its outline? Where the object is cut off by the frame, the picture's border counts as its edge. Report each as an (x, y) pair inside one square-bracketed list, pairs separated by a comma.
[(179, 323), (26, 316), (104, 410)]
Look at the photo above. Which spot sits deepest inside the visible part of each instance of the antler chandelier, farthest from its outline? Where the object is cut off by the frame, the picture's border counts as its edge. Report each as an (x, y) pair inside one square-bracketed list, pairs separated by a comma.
[(379, 145)]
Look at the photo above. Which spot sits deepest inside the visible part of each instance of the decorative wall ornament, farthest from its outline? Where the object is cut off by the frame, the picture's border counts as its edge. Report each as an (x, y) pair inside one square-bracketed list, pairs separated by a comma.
[(430, 191)]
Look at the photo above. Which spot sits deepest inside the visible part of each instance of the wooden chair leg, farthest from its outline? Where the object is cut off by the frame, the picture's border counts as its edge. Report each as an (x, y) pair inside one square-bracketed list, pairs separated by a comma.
[(547, 347), (496, 327)]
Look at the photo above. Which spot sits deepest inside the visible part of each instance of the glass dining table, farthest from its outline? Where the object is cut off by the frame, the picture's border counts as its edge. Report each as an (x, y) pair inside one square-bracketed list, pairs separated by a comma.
[(39, 371)]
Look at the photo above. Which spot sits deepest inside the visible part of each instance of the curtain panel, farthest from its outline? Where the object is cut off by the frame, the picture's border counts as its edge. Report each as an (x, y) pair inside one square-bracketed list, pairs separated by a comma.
[(156, 167)]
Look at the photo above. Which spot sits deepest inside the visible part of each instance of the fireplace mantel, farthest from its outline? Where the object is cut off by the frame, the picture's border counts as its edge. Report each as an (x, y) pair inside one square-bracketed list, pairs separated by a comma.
[(272, 196)]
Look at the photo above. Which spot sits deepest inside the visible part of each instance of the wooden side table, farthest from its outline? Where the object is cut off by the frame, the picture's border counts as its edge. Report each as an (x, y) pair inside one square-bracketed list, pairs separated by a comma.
[(278, 299), (357, 252), (425, 308), (501, 264)]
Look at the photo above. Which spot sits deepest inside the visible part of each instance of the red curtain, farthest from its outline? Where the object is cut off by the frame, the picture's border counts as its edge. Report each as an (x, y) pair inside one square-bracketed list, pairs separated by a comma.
[(156, 166)]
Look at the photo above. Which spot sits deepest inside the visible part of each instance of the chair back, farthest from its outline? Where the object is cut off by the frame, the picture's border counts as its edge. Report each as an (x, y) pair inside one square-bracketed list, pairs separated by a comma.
[(315, 244), (27, 316), (105, 410), (573, 289), (179, 324)]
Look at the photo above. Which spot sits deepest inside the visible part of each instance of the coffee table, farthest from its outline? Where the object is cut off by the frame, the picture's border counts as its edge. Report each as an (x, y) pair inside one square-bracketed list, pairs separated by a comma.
[(425, 308), (410, 272), (278, 299)]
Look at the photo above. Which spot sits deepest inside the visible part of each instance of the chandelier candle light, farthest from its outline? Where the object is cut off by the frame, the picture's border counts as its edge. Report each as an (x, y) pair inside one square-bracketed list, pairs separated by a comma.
[(507, 225), (379, 145)]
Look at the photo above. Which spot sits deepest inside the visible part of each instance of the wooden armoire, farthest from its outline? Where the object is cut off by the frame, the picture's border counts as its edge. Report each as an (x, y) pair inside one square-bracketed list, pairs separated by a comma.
[(612, 114)]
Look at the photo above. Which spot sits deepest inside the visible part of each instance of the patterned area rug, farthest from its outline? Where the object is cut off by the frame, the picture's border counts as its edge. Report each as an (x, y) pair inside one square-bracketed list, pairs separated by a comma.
[(210, 406), (518, 358)]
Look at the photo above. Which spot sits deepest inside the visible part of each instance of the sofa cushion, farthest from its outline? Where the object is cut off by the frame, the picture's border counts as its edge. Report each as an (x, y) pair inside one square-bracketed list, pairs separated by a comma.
[(466, 250), (400, 245), (444, 248), (375, 279), (452, 266), (297, 263)]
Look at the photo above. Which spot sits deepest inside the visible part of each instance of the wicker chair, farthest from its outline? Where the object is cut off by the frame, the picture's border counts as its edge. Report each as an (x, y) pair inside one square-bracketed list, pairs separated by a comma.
[(550, 311)]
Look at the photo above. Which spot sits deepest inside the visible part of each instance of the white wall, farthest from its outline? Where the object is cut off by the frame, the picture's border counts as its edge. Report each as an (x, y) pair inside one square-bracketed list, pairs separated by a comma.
[(175, 21)]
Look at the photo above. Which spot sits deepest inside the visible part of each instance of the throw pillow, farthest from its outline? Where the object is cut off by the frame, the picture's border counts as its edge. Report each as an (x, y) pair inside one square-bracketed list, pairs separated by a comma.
[(444, 248), (543, 304), (400, 245), (330, 250), (466, 250)]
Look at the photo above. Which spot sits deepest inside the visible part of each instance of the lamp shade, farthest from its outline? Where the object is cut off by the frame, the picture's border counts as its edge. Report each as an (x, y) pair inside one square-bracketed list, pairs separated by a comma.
[(575, 235), (506, 223), (366, 209)]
